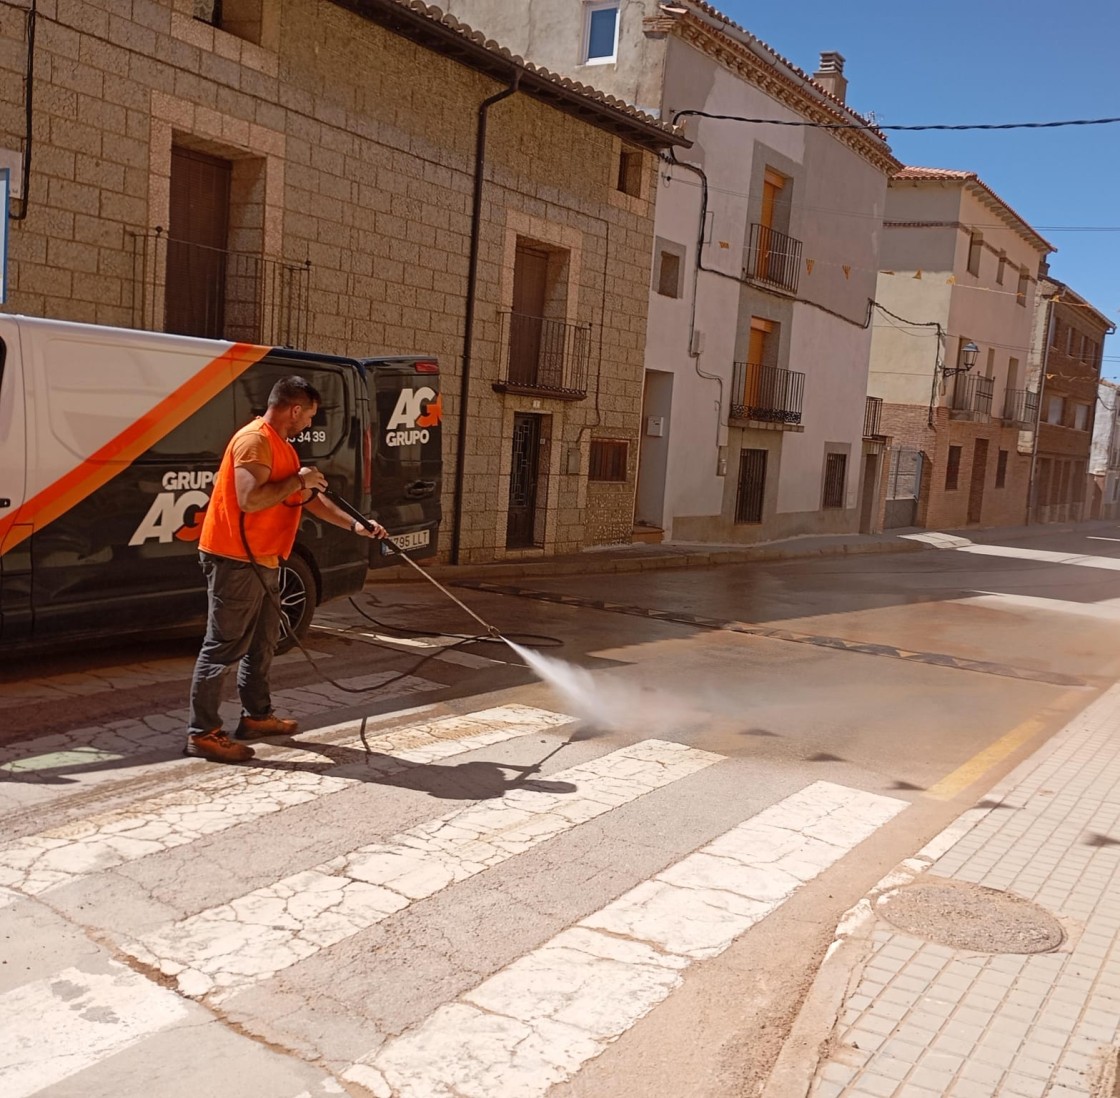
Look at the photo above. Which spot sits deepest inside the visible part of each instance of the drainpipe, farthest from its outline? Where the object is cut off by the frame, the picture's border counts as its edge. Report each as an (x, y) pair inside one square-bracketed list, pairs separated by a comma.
[(472, 291), (29, 114), (1031, 507)]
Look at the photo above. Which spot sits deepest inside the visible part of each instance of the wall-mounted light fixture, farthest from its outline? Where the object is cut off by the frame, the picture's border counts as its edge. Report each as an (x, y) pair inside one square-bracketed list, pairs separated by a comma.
[(968, 359)]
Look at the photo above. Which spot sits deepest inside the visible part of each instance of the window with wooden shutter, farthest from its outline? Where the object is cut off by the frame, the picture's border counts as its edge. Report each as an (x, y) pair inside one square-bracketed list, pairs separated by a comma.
[(608, 459)]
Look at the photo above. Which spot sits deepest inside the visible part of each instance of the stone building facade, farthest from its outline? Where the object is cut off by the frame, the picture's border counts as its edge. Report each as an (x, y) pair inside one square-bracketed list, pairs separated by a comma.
[(951, 341), (765, 259), (331, 149)]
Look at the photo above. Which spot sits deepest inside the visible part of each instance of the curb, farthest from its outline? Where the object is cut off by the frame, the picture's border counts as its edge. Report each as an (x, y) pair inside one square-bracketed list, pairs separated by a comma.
[(613, 566), (804, 1048)]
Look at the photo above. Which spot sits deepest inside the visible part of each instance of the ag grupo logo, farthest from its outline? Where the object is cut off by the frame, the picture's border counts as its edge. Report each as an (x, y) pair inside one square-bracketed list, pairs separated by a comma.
[(176, 512), (416, 412)]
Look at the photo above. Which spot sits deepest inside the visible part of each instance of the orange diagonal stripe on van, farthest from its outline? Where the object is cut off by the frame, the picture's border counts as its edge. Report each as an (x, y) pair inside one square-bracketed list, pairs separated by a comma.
[(100, 467)]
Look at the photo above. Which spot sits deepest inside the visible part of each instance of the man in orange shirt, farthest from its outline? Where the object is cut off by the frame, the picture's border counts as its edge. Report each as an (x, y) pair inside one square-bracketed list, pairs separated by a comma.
[(250, 525)]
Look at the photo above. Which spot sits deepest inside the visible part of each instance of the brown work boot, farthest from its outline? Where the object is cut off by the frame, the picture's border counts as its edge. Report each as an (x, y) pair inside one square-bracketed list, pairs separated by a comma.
[(217, 747), (256, 728)]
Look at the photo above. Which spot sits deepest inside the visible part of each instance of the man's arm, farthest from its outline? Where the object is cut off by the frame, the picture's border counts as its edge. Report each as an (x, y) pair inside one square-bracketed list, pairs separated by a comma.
[(322, 508), (255, 491)]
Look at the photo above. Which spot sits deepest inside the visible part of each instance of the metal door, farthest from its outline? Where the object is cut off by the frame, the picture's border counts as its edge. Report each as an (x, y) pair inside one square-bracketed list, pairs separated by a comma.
[(523, 530)]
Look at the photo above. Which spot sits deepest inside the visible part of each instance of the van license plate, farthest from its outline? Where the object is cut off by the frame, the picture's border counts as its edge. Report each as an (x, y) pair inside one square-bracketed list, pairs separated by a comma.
[(414, 540)]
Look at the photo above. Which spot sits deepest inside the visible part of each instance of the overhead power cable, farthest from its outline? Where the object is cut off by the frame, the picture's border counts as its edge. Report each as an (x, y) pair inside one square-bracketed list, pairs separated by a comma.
[(874, 126)]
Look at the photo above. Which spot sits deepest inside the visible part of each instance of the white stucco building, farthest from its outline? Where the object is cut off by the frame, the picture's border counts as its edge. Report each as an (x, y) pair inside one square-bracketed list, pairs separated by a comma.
[(1104, 457), (763, 268)]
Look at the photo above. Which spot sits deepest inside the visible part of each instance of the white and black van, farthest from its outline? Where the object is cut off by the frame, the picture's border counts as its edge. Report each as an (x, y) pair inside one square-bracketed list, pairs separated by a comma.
[(109, 442)]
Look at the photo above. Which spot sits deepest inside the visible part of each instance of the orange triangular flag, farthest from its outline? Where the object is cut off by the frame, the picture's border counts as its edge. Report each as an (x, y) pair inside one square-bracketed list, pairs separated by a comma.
[(918, 273), (846, 269), (809, 263), (951, 280)]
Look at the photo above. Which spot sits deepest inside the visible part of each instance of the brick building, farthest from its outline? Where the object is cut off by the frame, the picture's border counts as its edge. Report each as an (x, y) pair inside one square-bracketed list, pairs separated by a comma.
[(308, 173), (1065, 368), (950, 349)]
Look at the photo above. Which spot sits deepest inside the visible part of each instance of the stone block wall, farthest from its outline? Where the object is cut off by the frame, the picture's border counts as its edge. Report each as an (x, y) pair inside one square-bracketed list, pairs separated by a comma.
[(353, 151)]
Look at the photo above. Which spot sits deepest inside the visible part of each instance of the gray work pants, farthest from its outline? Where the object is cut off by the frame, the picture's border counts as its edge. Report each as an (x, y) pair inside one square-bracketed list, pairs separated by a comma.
[(242, 627)]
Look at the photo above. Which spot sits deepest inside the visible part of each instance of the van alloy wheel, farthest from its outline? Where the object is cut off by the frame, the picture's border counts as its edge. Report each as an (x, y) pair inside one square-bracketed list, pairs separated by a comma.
[(297, 601)]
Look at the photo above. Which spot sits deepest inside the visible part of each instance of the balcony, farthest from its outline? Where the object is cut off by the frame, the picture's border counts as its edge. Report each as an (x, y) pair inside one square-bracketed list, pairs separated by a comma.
[(1020, 407), (773, 259), (543, 357), (190, 289), (972, 396), (872, 414), (766, 394)]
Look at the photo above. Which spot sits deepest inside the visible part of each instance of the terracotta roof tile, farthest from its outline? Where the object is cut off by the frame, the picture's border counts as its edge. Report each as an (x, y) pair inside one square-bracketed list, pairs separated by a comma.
[(715, 13), (673, 134), (911, 174)]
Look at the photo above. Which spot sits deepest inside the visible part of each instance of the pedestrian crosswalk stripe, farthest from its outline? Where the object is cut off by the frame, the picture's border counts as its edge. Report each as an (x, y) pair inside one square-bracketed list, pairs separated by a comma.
[(535, 1023), (55, 857), (226, 948), (53, 1028)]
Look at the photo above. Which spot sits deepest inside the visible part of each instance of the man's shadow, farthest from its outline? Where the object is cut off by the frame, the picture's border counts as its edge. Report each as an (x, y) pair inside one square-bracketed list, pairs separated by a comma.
[(466, 781)]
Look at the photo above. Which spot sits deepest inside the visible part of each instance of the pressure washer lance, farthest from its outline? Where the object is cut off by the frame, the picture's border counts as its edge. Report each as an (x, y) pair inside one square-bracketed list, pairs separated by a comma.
[(357, 516)]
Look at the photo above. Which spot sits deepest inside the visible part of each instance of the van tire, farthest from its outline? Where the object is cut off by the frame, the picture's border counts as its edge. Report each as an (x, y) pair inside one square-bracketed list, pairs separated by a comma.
[(298, 597)]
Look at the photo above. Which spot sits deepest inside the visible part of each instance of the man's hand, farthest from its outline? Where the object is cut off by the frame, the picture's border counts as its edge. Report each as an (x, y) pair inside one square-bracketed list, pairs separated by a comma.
[(378, 530), (311, 478)]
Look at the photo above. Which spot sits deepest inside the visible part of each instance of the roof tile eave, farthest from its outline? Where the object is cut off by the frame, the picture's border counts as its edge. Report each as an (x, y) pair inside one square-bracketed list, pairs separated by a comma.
[(597, 100), (912, 174), (835, 102)]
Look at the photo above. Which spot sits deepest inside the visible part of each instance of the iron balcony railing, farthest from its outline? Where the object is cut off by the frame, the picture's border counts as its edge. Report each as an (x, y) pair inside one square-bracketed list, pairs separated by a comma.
[(1020, 406), (872, 414), (766, 393), (973, 393), (191, 289), (773, 258), (541, 355)]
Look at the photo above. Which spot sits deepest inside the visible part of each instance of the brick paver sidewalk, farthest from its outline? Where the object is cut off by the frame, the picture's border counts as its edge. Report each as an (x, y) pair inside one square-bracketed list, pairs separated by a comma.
[(923, 1020)]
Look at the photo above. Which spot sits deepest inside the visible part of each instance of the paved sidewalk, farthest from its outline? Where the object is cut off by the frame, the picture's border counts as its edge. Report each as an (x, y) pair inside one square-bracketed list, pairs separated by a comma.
[(891, 1014)]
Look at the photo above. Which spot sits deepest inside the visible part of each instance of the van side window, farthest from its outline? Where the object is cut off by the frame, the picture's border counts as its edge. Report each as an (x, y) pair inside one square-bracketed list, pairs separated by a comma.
[(331, 426), (99, 389)]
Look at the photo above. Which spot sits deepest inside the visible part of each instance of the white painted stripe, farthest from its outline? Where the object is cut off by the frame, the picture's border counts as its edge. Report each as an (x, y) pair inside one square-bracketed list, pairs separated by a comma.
[(1079, 560), (535, 1023), (37, 863), (938, 540), (54, 1028), (250, 939), (1104, 610), (1094, 537)]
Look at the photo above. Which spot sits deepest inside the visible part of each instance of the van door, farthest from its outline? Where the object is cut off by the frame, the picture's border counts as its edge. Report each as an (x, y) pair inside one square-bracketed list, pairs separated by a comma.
[(131, 423), (333, 444), (407, 474), (15, 540)]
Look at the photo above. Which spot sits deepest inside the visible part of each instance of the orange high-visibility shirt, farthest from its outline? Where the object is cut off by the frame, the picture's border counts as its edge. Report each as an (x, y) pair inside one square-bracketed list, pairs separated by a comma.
[(271, 533)]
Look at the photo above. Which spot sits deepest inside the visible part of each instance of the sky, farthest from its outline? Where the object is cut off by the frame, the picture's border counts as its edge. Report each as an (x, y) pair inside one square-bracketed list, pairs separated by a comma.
[(968, 61)]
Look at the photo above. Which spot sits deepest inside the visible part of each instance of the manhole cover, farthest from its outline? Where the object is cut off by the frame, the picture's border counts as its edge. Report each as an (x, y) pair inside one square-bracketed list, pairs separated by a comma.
[(971, 916)]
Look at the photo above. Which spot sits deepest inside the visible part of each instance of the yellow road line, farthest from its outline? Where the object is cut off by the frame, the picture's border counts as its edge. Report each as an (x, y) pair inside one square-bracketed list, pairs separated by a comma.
[(975, 768)]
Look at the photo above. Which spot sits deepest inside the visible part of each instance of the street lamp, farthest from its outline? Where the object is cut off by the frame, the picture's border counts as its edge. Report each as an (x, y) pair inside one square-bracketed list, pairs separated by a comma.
[(968, 359)]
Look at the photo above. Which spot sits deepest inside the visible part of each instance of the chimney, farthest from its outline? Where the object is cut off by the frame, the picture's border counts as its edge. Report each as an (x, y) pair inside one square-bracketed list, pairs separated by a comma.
[(830, 75)]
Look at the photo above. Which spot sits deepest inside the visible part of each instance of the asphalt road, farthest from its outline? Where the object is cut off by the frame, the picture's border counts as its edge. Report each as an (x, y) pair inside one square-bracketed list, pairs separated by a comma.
[(907, 683)]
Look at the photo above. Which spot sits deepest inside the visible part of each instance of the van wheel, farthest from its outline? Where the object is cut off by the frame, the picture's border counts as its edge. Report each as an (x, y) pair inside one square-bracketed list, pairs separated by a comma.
[(297, 601)]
